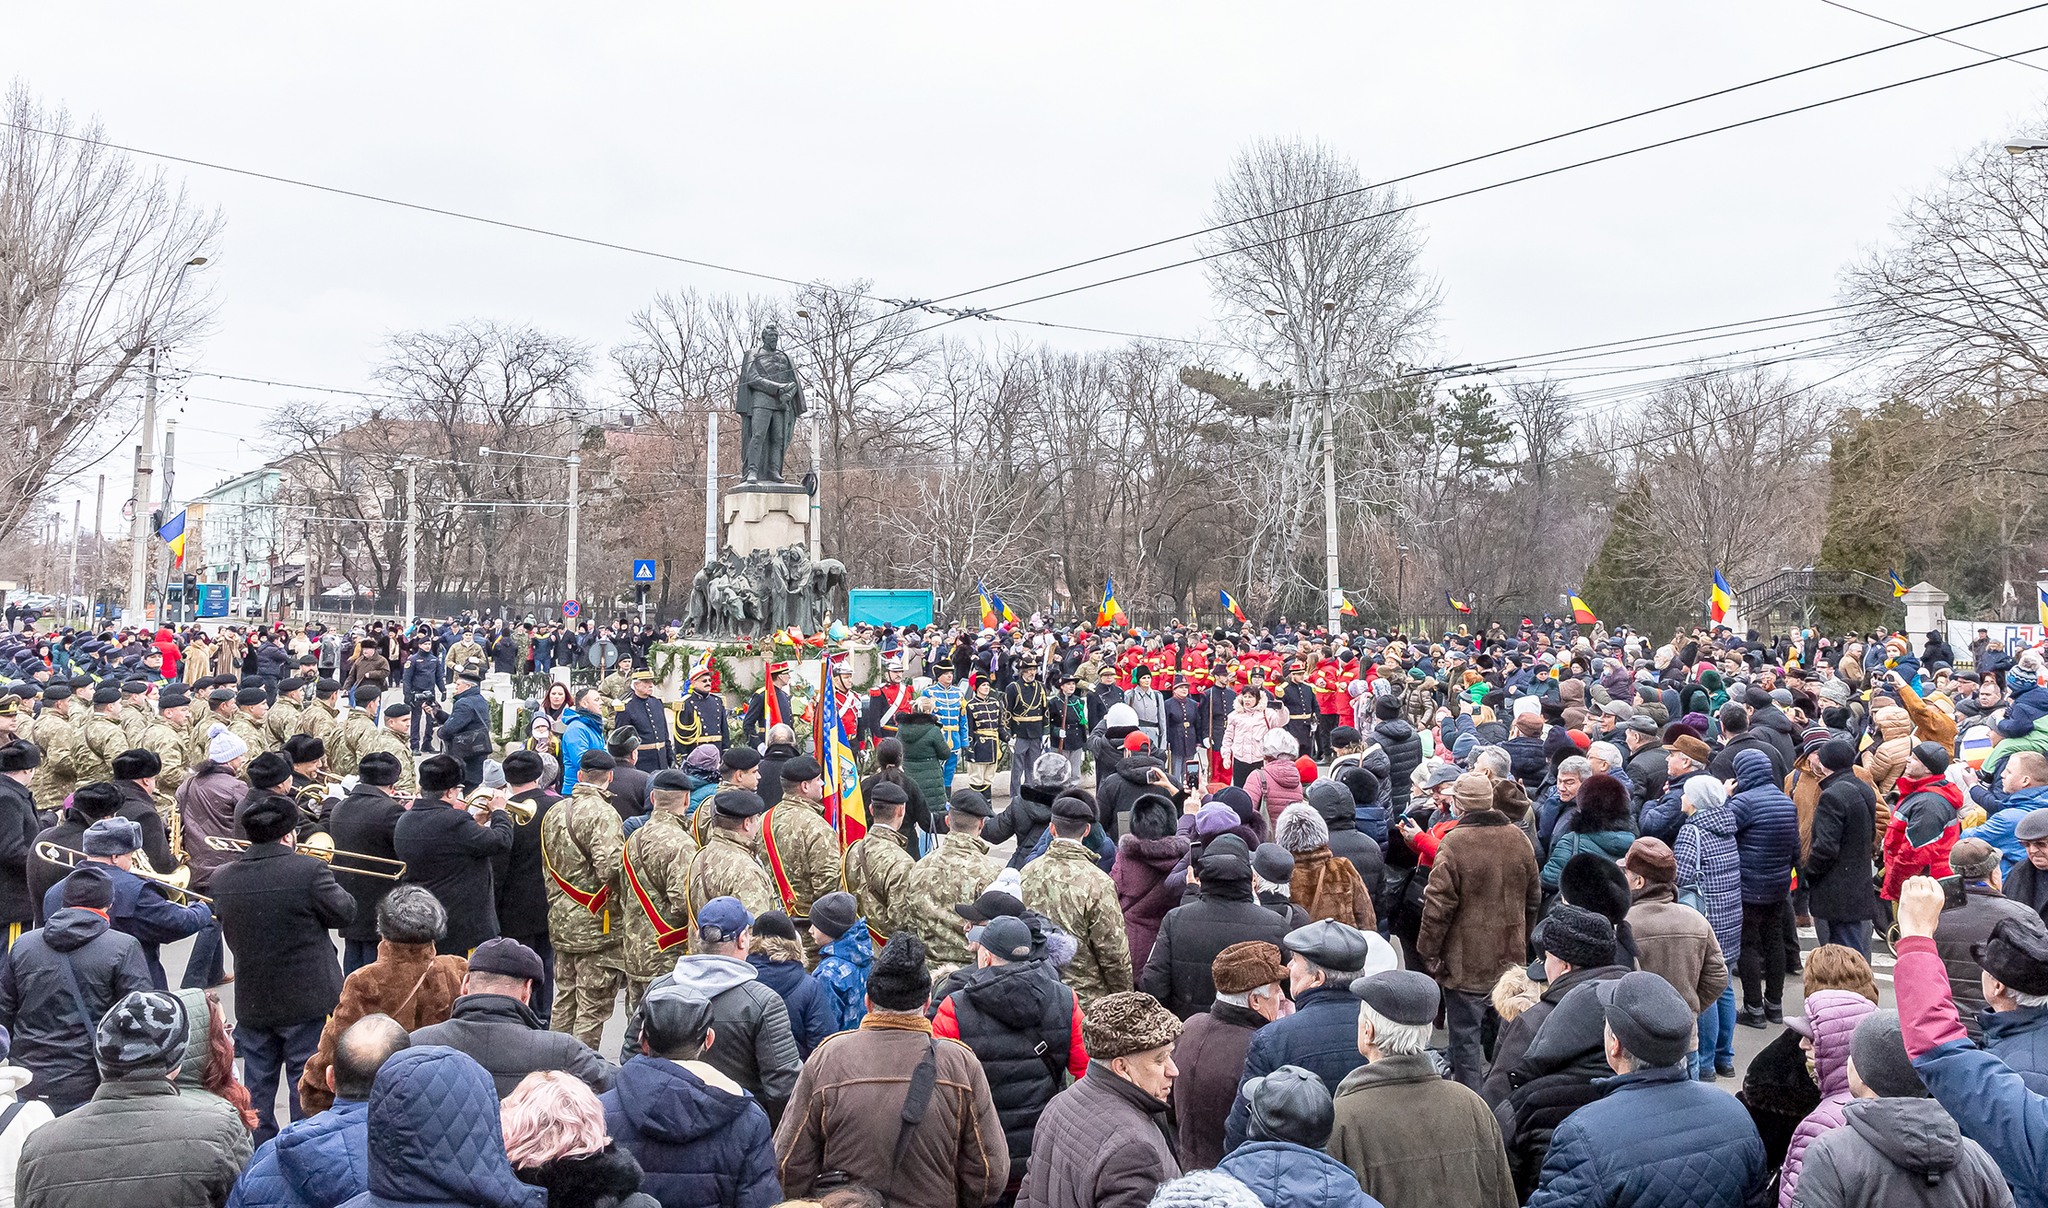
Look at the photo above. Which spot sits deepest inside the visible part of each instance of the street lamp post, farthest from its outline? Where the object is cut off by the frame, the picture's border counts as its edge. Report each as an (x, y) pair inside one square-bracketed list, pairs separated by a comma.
[(145, 460)]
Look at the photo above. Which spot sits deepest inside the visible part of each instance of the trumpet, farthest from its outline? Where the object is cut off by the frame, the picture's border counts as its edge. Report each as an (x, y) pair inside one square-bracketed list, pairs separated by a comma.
[(482, 801), (359, 864), (71, 857)]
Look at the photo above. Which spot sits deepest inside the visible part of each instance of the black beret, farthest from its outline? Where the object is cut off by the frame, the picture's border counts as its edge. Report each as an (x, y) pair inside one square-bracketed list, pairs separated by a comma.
[(739, 759), (135, 687), (106, 694), (290, 683), (326, 687), (251, 696), (136, 763), (1070, 808), (801, 769), (397, 708), (174, 696), (971, 803), (885, 793), (269, 770), (598, 761), (667, 780), (438, 774), (57, 691), (739, 803)]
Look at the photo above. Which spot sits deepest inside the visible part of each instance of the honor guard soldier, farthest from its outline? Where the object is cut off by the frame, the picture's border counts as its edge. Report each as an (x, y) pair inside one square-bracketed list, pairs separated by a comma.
[(956, 871), (252, 709), (656, 875), (393, 735), (135, 712), (1299, 697), (582, 841), (876, 867), (55, 736), (726, 865), (645, 714), (739, 768), (887, 703), (321, 715), (1024, 709), (700, 715), (754, 720), (283, 719)]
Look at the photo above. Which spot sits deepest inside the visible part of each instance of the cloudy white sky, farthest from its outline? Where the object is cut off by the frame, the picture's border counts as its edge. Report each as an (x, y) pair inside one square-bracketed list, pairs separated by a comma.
[(939, 147)]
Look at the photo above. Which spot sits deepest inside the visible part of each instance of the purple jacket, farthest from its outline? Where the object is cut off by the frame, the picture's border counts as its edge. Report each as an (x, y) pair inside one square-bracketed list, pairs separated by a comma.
[(1832, 1015)]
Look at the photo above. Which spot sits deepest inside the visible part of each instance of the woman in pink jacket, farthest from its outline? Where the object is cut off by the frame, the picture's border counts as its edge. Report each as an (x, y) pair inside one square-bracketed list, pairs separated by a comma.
[(1277, 784), (1244, 736)]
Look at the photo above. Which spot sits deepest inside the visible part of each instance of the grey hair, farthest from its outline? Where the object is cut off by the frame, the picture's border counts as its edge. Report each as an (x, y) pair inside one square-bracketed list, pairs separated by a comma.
[(1494, 761), (1704, 791), (1605, 752), (411, 914), (1577, 765), (2028, 1000), (1235, 1000), (780, 732), (1394, 1039)]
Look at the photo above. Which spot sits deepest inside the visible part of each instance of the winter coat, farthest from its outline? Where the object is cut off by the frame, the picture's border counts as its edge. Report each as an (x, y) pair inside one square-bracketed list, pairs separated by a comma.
[(30, 1117), (1144, 889), (1612, 845), (925, 749), (1274, 787), (1766, 830), (137, 1143), (1349, 843), (275, 909), (1328, 887), (846, 1112), (581, 734), (1480, 904), (1710, 865), (1899, 1153), (311, 1163), (1655, 1139), (1999, 829), (1102, 1143), (1024, 1026), (408, 982), (700, 1139), (1285, 1175), (2019, 1038), (842, 972), (365, 821), (1404, 754), (1244, 736), (448, 853), (207, 803), (1833, 1015), (779, 964), (51, 1037), (1414, 1137), (1722, 765), (1320, 1037), (1210, 1056), (1923, 827), (1677, 943), (609, 1178), (507, 1038), (1893, 729), (1176, 971), (1956, 936), (1844, 839), (19, 827), (1511, 1045), (1116, 792), (434, 1137), (752, 1042)]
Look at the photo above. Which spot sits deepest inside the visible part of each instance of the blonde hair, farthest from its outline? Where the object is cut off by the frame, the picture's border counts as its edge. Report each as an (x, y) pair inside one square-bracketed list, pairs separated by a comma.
[(551, 1115), (1838, 967)]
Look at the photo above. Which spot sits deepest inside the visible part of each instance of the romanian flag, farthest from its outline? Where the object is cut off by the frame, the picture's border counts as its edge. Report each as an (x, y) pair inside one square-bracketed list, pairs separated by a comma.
[(1111, 612), (1582, 615), (1235, 611), (989, 615), (1720, 599), (771, 699), (1344, 606), (173, 535), (2041, 603), (1456, 604), (1898, 584), (844, 807)]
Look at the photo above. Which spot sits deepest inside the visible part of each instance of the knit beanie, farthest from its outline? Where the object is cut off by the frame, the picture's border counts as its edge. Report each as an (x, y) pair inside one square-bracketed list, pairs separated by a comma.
[(1473, 791), (1879, 1050), (899, 979), (1205, 1189), (144, 1033)]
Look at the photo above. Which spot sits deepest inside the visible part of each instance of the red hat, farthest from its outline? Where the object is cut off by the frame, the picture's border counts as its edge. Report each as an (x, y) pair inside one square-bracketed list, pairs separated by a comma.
[(1307, 767), (1580, 739), (1136, 741)]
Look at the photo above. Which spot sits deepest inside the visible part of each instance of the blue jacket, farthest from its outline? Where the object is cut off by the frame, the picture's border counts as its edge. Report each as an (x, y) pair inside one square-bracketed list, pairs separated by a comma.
[(581, 733), (1655, 1139), (1320, 1037), (423, 675), (1710, 864), (149, 917), (2020, 1039), (1766, 830), (311, 1163), (468, 712), (1285, 1175), (843, 971), (1663, 815), (1998, 829), (2023, 714), (810, 1016), (1993, 1107), (434, 1138), (697, 1145)]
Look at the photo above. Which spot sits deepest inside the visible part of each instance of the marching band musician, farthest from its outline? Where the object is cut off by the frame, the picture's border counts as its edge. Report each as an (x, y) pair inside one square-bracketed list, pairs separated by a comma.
[(449, 851), (366, 822), (140, 907)]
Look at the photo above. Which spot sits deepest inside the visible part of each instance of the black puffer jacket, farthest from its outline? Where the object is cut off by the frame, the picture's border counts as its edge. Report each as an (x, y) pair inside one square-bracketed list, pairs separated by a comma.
[(1115, 793), (609, 1178), (1025, 818), (1404, 754), (52, 1037), (1019, 1020), (507, 1039), (1177, 973)]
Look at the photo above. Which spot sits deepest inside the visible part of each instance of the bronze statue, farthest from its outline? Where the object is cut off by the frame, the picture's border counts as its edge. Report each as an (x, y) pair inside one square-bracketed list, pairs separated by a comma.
[(769, 401)]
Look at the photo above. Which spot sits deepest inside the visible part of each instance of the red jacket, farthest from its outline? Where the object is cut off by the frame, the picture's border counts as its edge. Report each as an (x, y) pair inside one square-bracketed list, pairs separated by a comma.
[(1924, 803), (945, 1023), (167, 646)]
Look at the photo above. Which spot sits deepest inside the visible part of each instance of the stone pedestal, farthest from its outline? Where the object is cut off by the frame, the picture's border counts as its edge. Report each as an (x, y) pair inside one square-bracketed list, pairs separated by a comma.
[(1926, 610), (766, 520)]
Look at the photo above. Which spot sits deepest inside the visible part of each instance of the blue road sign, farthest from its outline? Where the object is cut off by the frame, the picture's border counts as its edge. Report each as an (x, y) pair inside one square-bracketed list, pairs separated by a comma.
[(643, 570), (570, 608)]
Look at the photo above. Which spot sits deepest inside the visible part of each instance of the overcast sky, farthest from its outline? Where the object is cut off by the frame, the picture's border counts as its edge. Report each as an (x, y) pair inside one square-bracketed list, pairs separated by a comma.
[(938, 147)]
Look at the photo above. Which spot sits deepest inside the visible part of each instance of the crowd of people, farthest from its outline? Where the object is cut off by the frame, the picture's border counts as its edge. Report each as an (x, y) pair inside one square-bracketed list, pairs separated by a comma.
[(1288, 918)]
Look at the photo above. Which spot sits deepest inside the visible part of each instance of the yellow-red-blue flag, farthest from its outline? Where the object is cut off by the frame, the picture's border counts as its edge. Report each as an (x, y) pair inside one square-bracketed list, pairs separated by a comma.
[(1898, 584), (1111, 612), (1456, 604), (1231, 604), (1719, 599), (845, 809), (1582, 615), (989, 616), (1344, 605), (173, 535), (2041, 602)]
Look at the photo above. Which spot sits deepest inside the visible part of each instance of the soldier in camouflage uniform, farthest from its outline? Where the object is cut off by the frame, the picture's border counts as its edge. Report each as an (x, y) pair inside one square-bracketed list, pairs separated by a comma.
[(252, 706), (726, 865), (283, 719), (99, 736), (321, 716), (581, 844), (1067, 886), (164, 736), (135, 711), (655, 877), (393, 736), (807, 844), (351, 727), (956, 871), (218, 710), (53, 733), (739, 768), (877, 866), (617, 686)]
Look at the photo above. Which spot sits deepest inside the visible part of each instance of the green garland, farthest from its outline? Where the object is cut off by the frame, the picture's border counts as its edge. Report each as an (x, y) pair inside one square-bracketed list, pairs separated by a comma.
[(662, 660)]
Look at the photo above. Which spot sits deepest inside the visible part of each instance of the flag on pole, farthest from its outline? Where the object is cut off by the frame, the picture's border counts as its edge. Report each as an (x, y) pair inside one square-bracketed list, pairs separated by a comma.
[(173, 535), (1719, 599), (989, 616), (1344, 605), (1582, 615), (1898, 584), (1456, 604), (771, 699), (1111, 612), (1235, 611), (2041, 603), (844, 807)]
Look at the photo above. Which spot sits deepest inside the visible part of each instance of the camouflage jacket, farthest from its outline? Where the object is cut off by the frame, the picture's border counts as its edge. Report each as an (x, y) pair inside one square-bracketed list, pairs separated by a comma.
[(281, 722), (343, 743), (57, 774), (99, 740), (956, 871), (809, 848), (726, 867), (877, 874), (377, 738), (135, 718), (200, 736), (581, 843), (250, 731), (162, 738), (659, 855), (318, 719), (1068, 887)]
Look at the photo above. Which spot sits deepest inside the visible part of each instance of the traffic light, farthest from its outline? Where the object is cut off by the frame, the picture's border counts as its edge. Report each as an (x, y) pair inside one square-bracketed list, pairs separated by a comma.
[(156, 520), (191, 588)]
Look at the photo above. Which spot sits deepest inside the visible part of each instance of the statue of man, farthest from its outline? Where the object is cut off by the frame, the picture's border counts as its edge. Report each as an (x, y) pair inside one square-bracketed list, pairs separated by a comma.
[(769, 401)]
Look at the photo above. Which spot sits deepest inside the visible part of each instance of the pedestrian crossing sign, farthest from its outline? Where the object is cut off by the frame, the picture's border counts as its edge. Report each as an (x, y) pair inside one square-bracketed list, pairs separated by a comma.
[(643, 570)]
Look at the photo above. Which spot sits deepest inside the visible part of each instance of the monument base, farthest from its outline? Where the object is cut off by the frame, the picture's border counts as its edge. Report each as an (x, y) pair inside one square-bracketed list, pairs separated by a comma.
[(766, 518)]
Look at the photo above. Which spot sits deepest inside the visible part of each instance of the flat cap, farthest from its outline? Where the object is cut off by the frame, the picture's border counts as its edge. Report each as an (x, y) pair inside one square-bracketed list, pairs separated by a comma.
[(993, 903), (1289, 1104), (1401, 995), (2032, 825), (1649, 1018), (1329, 943)]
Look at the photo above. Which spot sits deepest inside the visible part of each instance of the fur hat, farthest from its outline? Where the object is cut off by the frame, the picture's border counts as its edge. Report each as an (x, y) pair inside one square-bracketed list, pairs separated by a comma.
[(1605, 796), (899, 980), (1300, 828), (269, 770), (1120, 1024), (1205, 1189), (1592, 881), (1580, 938), (1245, 966), (438, 774), (378, 769)]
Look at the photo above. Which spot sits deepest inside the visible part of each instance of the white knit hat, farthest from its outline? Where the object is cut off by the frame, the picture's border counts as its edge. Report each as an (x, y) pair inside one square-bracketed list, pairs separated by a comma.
[(222, 746)]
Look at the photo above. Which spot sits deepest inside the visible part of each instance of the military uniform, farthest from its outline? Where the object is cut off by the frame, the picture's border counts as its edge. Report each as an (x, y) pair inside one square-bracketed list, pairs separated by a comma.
[(1068, 887), (656, 877), (343, 745), (57, 774), (699, 718), (1027, 715), (727, 867), (281, 722), (956, 871), (809, 848), (380, 739), (615, 688), (319, 720), (464, 651), (200, 736), (135, 718), (100, 738), (162, 739), (581, 843), (877, 874), (244, 727)]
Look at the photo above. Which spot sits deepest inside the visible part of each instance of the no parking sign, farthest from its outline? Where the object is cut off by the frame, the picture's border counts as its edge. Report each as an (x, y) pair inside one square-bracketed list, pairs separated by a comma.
[(570, 608)]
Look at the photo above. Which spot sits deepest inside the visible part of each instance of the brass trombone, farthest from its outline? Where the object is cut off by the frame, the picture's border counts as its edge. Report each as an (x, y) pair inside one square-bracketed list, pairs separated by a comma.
[(71, 857), (359, 864)]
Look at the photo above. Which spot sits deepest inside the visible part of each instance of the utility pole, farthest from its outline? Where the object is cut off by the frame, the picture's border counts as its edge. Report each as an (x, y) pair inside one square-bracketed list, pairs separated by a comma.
[(575, 514), (99, 547), (163, 560), (1334, 594), (711, 490), (817, 480), (412, 537), (138, 527), (77, 539)]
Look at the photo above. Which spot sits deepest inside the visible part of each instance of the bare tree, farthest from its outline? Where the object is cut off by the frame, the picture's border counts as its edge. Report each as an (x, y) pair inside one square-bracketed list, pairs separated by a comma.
[(90, 253)]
